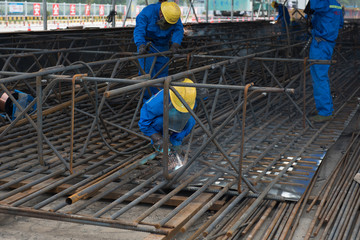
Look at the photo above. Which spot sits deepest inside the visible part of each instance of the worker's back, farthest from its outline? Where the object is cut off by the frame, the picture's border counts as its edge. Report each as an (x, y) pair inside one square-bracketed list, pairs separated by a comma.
[(146, 26), (327, 19)]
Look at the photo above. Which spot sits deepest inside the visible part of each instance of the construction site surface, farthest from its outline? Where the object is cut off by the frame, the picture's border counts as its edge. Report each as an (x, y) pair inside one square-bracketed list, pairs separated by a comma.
[(75, 165)]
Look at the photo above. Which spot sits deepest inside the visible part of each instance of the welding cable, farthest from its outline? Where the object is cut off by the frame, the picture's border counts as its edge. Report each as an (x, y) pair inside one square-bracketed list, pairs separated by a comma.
[(97, 115)]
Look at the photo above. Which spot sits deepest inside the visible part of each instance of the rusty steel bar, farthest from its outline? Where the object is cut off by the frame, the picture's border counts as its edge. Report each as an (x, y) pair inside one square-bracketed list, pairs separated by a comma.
[(211, 137), (206, 206), (139, 199), (39, 120), (125, 196), (55, 174), (188, 200), (96, 197), (169, 195), (177, 76), (339, 225), (225, 212), (87, 191), (280, 85), (267, 189), (75, 77), (82, 184), (79, 219), (243, 136), (165, 156), (352, 221), (106, 68), (298, 209)]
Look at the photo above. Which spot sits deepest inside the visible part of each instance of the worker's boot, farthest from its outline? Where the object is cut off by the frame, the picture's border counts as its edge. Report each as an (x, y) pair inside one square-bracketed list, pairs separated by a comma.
[(319, 118)]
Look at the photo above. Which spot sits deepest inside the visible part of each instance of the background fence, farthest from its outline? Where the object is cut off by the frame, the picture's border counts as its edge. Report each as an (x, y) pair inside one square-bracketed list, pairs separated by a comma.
[(59, 10)]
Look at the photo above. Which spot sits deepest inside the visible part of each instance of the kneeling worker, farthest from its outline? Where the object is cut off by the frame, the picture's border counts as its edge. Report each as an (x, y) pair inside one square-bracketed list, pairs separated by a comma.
[(180, 120)]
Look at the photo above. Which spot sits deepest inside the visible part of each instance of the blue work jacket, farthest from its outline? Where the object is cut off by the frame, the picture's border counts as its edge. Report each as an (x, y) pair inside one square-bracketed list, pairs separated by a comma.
[(327, 19), (281, 14), (147, 30), (151, 119)]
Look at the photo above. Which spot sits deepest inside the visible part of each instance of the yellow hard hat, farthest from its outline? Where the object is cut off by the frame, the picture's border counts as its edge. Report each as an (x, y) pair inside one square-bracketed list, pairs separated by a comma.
[(187, 93), (171, 12), (273, 4)]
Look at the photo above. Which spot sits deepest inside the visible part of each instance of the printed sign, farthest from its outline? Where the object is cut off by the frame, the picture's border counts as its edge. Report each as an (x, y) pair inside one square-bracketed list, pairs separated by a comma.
[(55, 10), (101, 10), (87, 10), (36, 7), (72, 10), (16, 7)]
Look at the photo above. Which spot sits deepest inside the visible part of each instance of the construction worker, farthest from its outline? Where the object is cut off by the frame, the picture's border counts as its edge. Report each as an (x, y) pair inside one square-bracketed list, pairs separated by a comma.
[(156, 26), (180, 120), (11, 109), (283, 13), (326, 20)]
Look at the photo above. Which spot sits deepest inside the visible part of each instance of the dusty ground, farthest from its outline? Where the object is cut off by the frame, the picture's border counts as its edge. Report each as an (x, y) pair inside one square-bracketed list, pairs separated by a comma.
[(21, 228)]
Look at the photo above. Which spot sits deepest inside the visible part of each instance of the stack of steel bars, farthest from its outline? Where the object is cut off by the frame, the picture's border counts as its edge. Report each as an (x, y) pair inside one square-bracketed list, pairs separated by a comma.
[(337, 214)]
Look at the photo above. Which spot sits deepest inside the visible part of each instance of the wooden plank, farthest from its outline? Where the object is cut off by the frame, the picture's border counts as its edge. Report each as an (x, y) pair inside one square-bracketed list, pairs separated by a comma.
[(186, 214), (154, 237), (189, 211), (26, 193)]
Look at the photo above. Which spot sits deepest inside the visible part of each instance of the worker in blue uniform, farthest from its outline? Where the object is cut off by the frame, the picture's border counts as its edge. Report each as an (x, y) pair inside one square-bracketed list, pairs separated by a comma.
[(283, 16), (10, 108), (327, 19), (180, 120), (158, 24)]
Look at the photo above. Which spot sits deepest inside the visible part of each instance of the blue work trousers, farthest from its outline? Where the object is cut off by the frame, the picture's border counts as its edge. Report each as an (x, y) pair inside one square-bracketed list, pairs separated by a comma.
[(321, 50), (146, 64)]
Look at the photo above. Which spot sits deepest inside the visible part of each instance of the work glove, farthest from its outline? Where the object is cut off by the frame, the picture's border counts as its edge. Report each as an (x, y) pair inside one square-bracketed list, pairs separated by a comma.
[(174, 48), (157, 142), (142, 49)]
